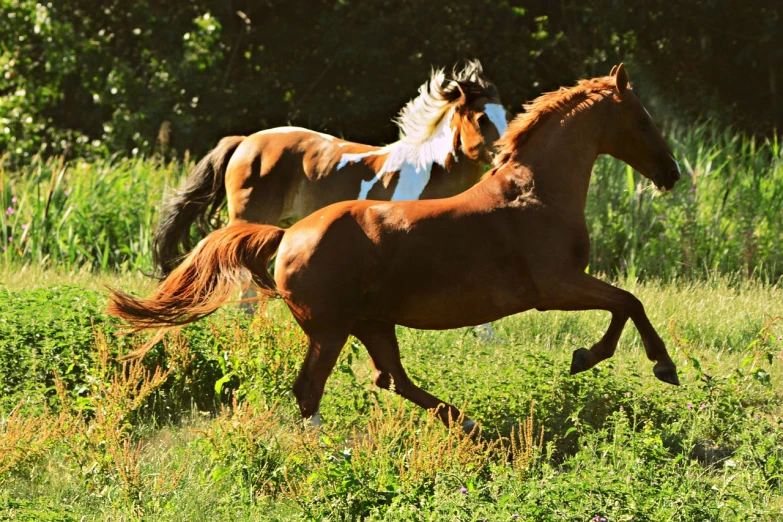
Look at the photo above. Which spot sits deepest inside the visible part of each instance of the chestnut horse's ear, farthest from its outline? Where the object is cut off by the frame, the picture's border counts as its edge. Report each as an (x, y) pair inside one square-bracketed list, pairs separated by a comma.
[(614, 68), (621, 78)]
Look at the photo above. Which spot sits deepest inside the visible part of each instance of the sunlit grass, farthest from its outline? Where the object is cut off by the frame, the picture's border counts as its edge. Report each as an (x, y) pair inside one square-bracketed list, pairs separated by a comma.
[(708, 450)]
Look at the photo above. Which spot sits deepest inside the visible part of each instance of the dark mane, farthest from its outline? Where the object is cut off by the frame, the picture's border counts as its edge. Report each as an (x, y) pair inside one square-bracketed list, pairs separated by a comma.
[(471, 79)]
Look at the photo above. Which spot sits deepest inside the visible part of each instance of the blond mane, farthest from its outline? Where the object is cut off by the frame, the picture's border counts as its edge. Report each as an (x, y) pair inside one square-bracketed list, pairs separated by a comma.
[(420, 116), (566, 101)]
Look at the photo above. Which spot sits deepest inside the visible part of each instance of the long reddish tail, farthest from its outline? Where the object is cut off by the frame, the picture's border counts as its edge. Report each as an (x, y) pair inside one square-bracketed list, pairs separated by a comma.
[(206, 279)]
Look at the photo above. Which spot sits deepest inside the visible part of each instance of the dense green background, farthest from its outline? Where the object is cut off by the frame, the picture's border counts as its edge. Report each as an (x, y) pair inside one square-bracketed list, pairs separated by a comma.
[(81, 76)]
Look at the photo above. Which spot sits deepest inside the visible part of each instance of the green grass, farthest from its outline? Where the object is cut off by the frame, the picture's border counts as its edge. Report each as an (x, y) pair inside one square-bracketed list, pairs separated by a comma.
[(616, 442)]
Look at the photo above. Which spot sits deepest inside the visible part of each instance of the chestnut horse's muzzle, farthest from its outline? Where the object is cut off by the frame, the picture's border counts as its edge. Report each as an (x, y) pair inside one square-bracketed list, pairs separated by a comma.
[(666, 180)]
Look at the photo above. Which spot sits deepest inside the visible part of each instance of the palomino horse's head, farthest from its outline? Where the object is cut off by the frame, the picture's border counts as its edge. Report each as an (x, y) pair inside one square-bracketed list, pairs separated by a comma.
[(460, 112), (631, 136), (479, 117)]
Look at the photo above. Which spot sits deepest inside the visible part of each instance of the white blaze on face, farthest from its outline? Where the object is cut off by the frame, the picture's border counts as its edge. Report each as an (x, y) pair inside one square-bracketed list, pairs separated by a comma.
[(414, 161), (497, 115)]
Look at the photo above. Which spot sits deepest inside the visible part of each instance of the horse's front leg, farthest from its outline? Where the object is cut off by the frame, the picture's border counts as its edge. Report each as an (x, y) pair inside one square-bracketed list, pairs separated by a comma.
[(581, 291)]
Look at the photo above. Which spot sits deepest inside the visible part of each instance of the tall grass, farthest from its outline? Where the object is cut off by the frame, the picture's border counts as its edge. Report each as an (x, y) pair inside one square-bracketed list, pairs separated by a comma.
[(71, 215), (724, 216)]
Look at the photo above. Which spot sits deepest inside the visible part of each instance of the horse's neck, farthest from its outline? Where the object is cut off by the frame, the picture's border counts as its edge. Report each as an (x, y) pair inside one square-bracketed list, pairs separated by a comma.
[(560, 156)]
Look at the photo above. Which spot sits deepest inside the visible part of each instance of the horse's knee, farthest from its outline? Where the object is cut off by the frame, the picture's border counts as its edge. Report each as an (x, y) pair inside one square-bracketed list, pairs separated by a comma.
[(388, 381), (382, 379), (629, 305)]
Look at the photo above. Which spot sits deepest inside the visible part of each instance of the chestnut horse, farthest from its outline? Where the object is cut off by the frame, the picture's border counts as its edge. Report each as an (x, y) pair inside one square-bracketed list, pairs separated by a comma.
[(515, 241), (278, 176)]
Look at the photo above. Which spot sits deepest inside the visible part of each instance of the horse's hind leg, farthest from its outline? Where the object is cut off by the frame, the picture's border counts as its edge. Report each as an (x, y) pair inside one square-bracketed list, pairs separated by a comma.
[(318, 364), (381, 343)]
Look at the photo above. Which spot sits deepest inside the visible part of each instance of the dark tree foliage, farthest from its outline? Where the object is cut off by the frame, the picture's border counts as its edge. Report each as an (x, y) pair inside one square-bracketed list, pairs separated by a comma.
[(80, 76)]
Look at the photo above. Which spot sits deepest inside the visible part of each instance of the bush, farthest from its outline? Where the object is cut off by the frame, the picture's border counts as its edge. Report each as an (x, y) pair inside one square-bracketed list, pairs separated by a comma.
[(78, 78)]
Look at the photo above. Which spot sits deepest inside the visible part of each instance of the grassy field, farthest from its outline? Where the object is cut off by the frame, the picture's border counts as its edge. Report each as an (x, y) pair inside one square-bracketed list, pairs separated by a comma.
[(205, 427), (209, 430)]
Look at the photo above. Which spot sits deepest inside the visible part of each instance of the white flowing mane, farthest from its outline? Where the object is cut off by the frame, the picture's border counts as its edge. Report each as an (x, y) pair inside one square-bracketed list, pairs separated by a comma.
[(426, 136), (420, 117)]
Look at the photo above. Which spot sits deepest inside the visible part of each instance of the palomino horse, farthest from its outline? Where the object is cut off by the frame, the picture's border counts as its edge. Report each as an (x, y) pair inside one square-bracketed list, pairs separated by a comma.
[(279, 176), (516, 241)]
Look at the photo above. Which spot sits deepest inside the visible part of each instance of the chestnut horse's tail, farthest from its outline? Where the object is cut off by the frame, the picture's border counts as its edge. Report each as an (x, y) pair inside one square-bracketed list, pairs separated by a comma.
[(197, 202), (206, 279)]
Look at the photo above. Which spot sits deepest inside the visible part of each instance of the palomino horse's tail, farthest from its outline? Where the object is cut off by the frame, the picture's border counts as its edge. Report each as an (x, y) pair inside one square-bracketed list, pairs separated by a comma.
[(206, 279), (197, 202)]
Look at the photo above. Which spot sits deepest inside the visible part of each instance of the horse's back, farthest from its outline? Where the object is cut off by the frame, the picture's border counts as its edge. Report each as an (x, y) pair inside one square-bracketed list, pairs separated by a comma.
[(280, 175)]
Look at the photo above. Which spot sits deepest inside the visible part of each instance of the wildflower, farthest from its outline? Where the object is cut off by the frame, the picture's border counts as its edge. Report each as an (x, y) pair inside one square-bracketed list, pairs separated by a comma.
[(702, 406), (515, 516), (13, 199), (67, 192), (780, 338), (10, 239), (24, 227), (464, 491), (757, 416), (690, 406), (662, 236), (662, 217), (10, 211)]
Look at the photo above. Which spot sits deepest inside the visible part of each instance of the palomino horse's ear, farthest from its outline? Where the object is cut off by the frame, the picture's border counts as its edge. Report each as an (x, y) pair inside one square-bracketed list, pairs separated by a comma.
[(621, 78)]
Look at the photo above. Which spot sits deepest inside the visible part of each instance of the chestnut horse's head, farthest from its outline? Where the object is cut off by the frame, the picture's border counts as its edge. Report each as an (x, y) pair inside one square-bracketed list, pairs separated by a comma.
[(631, 136), (479, 117)]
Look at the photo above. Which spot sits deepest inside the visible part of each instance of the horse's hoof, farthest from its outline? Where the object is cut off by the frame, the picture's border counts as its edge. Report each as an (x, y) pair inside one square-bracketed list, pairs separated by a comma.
[(582, 360), (485, 333), (469, 426), (314, 421), (667, 374)]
